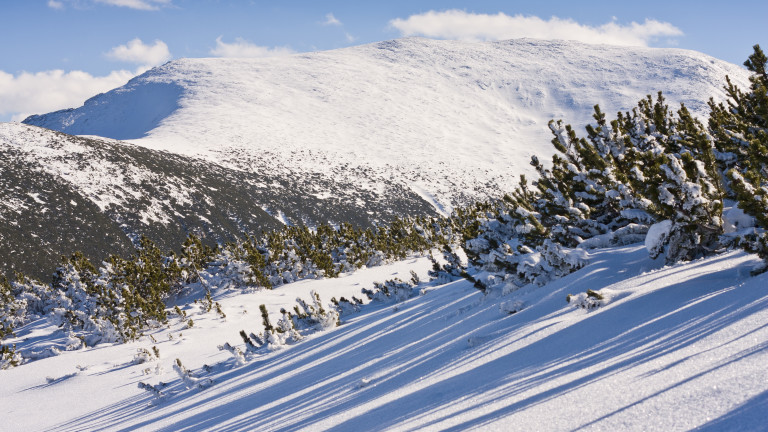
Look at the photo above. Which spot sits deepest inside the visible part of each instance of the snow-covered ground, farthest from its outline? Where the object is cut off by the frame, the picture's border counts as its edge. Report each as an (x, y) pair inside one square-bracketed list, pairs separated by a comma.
[(451, 120), (670, 348)]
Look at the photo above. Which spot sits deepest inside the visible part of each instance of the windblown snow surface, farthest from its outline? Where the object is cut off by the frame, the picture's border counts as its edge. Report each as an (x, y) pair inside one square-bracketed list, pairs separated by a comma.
[(669, 348), (454, 121)]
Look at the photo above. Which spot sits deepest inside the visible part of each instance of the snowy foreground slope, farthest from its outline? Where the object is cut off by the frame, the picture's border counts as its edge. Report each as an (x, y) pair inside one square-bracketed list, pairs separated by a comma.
[(452, 121), (672, 348)]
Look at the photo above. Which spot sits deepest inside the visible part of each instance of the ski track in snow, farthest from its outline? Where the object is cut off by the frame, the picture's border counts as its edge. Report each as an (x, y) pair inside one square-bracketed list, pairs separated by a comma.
[(677, 348)]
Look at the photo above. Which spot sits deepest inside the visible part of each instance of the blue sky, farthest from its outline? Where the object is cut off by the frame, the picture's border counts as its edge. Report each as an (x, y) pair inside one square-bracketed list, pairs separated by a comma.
[(56, 53)]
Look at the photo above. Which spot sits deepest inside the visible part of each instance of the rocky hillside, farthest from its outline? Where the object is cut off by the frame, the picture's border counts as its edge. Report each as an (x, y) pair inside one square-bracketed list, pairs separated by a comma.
[(60, 194)]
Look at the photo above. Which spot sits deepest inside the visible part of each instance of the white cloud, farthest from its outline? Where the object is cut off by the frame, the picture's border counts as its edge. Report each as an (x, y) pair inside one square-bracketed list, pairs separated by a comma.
[(42, 92), (137, 4), (331, 20), (140, 53), (243, 48), (456, 24), (148, 5)]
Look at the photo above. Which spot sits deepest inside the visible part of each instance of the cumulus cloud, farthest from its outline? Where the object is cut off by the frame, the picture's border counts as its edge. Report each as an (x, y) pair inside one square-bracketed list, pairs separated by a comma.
[(41, 92), (243, 48), (34, 93), (457, 24), (140, 53), (331, 20), (148, 5), (137, 4)]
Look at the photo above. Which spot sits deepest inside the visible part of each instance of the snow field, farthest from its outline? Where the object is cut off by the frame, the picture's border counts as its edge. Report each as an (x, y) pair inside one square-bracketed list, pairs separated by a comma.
[(676, 348), (93, 374)]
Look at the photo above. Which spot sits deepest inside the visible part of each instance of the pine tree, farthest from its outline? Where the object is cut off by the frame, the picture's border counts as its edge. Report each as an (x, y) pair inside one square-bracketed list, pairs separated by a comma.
[(265, 318), (144, 282), (12, 310), (676, 173), (579, 195), (741, 131), (645, 167), (9, 357), (194, 257)]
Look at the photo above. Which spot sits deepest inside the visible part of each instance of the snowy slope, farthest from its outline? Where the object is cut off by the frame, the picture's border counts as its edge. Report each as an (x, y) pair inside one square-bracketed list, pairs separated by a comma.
[(672, 348), (450, 120), (60, 194)]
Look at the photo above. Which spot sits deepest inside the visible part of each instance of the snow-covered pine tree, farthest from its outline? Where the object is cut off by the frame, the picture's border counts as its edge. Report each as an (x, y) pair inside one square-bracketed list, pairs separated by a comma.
[(313, 315), (254, 256), (739, 125), (510, 229), (580, 194), (265, 318), (551, 261), (671, 168), (92, 310), (529, 236), (13, 311), (647, 166), (741, 129), (144, 282), (450, 270), (9, 357), (187, 378), (195, 255)]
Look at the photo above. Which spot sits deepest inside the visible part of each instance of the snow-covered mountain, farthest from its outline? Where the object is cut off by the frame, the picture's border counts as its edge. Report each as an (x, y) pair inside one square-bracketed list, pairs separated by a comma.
[(451, 121), (678, 347), (404, 127)]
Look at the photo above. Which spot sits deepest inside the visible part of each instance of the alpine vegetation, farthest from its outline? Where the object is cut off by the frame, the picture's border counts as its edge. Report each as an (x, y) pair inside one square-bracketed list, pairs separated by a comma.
[(740, 129), (291, 327), (650, 175), (124, 297)]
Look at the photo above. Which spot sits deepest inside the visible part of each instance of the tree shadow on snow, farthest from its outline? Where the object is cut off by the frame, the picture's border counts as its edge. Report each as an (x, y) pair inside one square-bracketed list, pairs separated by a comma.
[(749, 416), (358, 371)]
